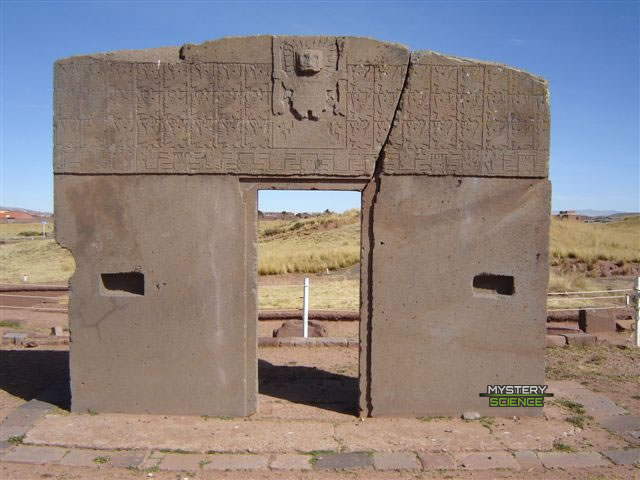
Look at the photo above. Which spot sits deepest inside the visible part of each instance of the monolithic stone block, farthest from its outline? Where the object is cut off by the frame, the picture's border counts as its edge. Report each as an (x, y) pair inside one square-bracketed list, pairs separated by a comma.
[(455, 322), (158, 157), (167, 335), (580, 338), (597, 321)]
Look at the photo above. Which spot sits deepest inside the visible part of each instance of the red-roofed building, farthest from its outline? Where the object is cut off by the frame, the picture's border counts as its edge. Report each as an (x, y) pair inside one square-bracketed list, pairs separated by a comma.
[(15, 215)]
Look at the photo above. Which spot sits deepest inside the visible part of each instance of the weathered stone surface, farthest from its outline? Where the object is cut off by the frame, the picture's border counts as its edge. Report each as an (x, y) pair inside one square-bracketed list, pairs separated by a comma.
[(623, 457), (127, 458), (580, 338), (436, 461), (153, 459), (294, 328), (625, 325), (395, 461), (116, 369), (595, 404), (528, 460), (468, 118), (597, 321), (290, 461), (556, 341), (235, 462), (182, 461), (21, 419), (572, 460), (31, 454), (194, 133), (248, 105), (627, 426), (430, 331), (487, 460), (305, 342), (342, 461), (268, 342), (333, 342), (557, 328), (84, 458)]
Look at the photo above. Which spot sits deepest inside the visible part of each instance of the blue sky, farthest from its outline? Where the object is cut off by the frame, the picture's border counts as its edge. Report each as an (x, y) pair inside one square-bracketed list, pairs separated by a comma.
[(589, 52)]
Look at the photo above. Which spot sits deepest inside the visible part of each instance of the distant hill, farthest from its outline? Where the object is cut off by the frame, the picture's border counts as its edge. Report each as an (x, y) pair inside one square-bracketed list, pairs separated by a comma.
[(600, 213), (309, 245)]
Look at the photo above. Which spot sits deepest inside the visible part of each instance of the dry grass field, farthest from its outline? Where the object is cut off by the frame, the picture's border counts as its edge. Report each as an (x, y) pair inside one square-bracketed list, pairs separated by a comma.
[(326, 293), (291, 249), (43, 261), (617, 241), (20, 230), (310, 245)]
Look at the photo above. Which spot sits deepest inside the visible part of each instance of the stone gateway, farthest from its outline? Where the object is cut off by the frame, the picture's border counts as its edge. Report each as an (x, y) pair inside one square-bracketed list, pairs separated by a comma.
[(158, 158)]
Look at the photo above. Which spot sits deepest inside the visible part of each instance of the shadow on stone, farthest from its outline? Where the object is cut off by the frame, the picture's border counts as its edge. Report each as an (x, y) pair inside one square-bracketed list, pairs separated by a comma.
[(309, 386), (36, 374)]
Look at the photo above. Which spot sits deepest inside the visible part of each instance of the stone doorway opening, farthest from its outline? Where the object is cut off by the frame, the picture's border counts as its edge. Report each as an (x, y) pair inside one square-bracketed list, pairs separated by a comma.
[(312, 234)]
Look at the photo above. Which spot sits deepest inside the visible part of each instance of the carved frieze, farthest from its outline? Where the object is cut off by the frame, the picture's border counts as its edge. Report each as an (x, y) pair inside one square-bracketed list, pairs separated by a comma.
[(247, 106), (320, 106), (459, 117)]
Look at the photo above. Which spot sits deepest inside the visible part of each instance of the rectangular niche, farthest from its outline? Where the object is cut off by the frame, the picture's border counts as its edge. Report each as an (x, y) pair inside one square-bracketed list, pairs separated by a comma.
[(490, 284), (122, 284)]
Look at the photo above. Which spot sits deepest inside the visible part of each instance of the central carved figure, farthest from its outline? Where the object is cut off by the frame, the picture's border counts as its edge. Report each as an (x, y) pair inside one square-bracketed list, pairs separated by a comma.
[(307, 75), (309, 62)]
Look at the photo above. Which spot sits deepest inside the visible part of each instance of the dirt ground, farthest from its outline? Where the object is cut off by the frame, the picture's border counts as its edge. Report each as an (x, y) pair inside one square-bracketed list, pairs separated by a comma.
[(348, 330), (322, 383), (328, 374), (25, 371), (611, 369), (56, 472)]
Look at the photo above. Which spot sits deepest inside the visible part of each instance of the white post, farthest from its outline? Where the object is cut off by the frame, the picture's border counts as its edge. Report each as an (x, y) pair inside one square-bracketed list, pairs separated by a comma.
[(636, 308), (44, 233), (305, 309)]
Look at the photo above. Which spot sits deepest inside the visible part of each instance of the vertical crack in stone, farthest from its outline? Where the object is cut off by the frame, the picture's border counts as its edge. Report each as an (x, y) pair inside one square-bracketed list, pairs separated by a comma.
[(371, 240)]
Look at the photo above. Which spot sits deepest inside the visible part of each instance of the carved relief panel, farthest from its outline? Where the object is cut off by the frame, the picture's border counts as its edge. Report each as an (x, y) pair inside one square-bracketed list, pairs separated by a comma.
[(458, 117), (289, 106)]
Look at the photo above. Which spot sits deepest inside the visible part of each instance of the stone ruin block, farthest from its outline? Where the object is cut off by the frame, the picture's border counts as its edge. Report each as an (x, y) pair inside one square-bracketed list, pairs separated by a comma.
[(158, 157), (597, 321)]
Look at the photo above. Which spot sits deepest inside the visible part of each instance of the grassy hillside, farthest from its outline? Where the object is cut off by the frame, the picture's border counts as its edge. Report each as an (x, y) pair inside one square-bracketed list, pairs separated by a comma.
[(333, 241), (310, 245), (617, 241), (41, 260)]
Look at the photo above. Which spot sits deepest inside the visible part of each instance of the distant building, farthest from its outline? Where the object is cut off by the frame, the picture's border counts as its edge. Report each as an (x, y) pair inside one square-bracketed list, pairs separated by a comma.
[(12, 215), (20, 216), (569, 215)]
